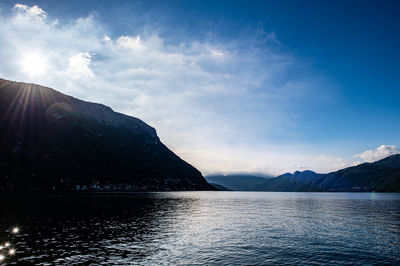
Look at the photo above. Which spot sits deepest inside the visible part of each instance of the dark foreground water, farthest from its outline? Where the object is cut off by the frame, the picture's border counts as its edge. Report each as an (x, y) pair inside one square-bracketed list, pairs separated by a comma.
[(204, 228)]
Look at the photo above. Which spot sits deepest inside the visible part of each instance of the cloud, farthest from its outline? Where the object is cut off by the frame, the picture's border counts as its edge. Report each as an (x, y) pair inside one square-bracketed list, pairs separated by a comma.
[(379, 153), (217, 103), (217, 53), (132, 43), (106, 38), (33, 12), (79, 65)]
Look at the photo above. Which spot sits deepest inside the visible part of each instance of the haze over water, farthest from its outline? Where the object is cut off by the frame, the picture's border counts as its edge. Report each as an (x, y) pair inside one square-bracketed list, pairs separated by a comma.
[(206, 228)]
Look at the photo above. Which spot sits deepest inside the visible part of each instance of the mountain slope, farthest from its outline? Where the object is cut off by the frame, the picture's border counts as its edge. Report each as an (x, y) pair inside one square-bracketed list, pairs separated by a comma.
[(382, 176), (219, 187), (49, 140), (240, 182)]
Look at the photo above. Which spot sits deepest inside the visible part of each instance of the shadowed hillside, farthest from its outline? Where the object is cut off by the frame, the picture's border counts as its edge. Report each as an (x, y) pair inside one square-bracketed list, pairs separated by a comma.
[(51, 141), (240, 182), (380, 176)]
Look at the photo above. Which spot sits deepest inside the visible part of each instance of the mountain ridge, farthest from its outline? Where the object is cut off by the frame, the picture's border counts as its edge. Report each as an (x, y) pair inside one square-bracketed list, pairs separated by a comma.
[(52, 141), (381, 176)]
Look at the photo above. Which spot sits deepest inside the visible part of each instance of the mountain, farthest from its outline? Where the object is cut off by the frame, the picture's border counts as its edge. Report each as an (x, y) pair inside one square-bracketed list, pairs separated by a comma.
[(219, 187), (240, 182), (51, 141), (380, 176)]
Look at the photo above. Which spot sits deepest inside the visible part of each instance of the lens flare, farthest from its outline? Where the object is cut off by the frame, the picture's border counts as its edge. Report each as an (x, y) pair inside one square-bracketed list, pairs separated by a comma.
[(15, 230), (11, 251)]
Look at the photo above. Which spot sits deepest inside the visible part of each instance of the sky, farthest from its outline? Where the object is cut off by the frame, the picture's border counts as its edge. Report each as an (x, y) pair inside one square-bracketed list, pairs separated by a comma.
[(262, 87)]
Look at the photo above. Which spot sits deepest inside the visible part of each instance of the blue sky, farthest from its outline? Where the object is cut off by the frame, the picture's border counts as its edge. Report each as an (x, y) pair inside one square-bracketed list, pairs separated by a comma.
[(230, 86)]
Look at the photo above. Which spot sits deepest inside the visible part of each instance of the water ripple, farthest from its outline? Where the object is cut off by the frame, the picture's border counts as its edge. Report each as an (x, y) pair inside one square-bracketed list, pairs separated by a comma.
[(214, 228)]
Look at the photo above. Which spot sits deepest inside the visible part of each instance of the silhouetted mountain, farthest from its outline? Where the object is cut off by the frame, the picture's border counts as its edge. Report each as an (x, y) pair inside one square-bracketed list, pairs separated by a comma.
[(380, 176), (219, 187), (51, 141), (239, 182), (392, 161)]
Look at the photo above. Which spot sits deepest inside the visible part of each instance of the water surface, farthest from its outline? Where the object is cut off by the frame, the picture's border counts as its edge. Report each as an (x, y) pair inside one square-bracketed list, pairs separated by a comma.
[(232, 228)]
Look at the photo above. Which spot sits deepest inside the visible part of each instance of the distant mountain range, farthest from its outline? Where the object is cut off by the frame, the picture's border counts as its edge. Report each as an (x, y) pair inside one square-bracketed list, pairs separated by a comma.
[(380, 176), (51, 141), (239, 182)]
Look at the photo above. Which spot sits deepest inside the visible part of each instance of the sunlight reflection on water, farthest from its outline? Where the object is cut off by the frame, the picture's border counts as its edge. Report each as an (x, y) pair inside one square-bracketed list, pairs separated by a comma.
[(207, 228)]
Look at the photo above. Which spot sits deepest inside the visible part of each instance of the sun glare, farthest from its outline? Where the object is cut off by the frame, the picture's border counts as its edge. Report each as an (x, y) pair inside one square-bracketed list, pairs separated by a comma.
[(34, 64), (11, 251)]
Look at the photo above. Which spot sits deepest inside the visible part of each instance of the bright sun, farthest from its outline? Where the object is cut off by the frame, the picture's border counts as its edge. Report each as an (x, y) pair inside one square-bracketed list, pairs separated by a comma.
[(34, 64)]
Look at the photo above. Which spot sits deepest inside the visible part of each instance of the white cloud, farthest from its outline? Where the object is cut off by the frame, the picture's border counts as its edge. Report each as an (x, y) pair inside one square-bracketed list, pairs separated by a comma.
[(106, 38), (33, 12), (79, 65), (379, 153), (132, 43), (215, 103), (217, 53)]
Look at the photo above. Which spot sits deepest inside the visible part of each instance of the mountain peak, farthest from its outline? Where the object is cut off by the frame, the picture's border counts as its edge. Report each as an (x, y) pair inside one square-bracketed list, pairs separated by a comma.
[(50, 140)]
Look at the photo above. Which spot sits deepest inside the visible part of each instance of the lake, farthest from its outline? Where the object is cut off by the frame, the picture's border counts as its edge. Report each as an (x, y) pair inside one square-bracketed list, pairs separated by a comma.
[(231, 228)]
